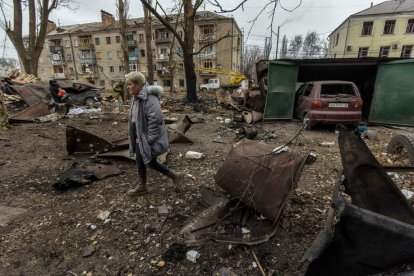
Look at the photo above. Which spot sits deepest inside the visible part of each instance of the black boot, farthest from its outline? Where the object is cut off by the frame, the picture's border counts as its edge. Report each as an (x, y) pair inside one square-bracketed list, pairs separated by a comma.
[(140, 188)]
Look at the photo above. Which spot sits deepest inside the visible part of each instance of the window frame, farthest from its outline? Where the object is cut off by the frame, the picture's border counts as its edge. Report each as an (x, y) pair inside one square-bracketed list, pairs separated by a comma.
[(367, 30), (404, 51), (361, 50), (382, 50), (410, 26), (108, 40), (390, 28)]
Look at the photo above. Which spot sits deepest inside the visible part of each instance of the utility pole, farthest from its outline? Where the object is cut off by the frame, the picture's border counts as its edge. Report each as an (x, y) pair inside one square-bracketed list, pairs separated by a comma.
[(277, 41)]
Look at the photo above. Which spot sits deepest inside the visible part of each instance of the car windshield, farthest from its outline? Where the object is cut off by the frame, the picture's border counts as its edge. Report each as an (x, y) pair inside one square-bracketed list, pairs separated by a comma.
[(337, 90)]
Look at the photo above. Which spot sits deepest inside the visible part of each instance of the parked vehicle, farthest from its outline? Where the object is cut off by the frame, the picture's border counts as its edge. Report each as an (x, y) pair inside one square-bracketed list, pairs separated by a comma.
[(212, 84), (328, 102), (81, 93)]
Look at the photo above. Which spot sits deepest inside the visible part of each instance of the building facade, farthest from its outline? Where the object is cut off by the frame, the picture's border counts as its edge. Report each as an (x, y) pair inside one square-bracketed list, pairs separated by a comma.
[(384, 30), (93, 51)]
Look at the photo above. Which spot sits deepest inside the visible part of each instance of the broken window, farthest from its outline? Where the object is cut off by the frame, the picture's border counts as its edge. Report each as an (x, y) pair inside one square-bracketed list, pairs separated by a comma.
[(181, 82), (118, 39), (142, 52), (130, 37), (111, 69), (367, 28), (167, 83), (108, 40), (55, 42), (389, 27), (406, 51), (410, 26), (384, 51), (363, 52), (208, 64), (97, 42), (141, 38)]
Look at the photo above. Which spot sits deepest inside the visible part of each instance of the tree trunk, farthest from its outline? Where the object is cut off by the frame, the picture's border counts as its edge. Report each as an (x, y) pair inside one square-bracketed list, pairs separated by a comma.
[(189, 68), (148, 34), (190, 77), (123, 29)]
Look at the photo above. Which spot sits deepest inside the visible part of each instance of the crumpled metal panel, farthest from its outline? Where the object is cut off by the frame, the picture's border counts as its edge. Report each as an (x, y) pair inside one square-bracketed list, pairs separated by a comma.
[(82, 174), (176, 131), (364, 243), (81, 141), (261, 179), (28, 94), (374, 234), (29, 114), (368, 184)]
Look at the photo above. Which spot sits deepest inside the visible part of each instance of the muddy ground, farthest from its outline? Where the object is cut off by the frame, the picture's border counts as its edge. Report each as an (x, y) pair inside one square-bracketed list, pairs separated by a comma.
[(61, 234)]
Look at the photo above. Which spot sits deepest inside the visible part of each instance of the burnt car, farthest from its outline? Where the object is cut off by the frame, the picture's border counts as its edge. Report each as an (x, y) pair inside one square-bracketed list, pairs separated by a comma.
[(81, 93), (328, 102)]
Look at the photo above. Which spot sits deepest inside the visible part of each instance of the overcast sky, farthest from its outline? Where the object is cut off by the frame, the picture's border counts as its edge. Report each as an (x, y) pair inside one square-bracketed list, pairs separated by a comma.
[(322, 16)]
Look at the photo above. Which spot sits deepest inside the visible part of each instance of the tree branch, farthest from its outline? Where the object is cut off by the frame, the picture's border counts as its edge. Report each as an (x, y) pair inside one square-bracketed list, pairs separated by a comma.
[(211, 43), (197, 5), (164, 22), (217, 4)]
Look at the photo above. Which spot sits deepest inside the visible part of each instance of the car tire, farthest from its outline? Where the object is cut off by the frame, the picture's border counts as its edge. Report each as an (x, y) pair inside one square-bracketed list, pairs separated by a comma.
[(306, 122), (203, 90), (400, 144), (90, 101)]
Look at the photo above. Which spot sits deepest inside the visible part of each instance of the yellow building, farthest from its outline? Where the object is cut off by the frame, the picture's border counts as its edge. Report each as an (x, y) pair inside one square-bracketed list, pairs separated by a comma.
[(384, 30)]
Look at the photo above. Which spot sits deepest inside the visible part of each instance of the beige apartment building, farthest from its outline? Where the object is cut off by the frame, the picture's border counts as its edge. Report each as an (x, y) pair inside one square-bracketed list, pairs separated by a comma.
[(92, 51)]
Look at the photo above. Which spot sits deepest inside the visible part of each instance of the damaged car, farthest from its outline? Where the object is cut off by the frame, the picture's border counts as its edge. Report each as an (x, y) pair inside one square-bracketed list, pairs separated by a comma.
[(80, 93), (328, 102)]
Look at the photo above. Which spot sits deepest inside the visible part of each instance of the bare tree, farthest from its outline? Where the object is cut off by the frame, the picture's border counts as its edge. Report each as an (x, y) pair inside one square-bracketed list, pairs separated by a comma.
[(251, 56), (186, 42), (148, 35), (122, 9), (311, 45), (284, 50), (171, 62), (295, 46), (29, 53)]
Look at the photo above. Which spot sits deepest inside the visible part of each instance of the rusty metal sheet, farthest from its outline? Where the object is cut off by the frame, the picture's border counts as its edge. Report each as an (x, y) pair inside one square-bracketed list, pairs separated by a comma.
[(368, 184), (29, 95), (261, 179), (81, 141), (176, 131), (29, 114)]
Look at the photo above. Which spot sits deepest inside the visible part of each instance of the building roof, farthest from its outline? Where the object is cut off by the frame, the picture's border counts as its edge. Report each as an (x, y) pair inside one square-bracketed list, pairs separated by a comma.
[(388, 7), (201, 16)]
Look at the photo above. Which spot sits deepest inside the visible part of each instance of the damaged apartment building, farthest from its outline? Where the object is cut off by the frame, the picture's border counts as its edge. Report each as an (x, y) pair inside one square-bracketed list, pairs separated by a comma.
[(93, 51)]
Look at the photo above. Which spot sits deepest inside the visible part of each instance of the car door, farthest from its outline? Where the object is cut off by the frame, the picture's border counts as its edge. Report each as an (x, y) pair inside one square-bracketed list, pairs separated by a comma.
[(303, 104)]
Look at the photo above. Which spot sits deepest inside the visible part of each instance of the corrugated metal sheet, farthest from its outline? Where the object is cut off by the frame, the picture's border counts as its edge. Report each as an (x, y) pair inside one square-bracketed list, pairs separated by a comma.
[(393, 98), (280, 100)]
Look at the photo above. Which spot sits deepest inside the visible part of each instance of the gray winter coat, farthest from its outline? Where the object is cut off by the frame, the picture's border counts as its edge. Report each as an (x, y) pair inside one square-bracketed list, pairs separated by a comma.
[(150, 129)]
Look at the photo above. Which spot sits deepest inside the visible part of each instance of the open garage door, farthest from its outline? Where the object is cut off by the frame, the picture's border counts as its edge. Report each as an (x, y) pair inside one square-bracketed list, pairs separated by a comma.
[(393, 99), (281, 90)]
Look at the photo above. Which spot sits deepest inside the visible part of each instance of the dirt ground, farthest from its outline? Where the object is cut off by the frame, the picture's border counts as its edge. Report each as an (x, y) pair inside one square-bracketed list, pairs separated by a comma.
[(61, 234)]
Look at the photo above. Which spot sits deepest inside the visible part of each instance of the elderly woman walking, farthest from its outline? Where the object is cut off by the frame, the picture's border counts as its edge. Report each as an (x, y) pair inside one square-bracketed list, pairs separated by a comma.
[(146, 132)]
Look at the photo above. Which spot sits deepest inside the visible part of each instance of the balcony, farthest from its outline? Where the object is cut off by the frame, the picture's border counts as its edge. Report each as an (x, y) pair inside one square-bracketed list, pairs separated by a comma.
[(163, 73), (207, 37), (132, 43), (162, 40), (162, 57), (89, 59), (207, 55), (56, 48), (86, 46)]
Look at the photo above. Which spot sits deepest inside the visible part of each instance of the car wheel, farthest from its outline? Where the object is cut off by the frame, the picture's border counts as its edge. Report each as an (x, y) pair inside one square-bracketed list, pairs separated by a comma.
[(402, 145), (203, 90), (306, 122), (89, 101)]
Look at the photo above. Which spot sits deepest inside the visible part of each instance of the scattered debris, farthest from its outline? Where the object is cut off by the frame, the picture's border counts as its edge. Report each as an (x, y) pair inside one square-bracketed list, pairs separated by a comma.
[(88, 251), (327, 144), (175, 253), (192, 255), (163, 209), (193, 155)]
